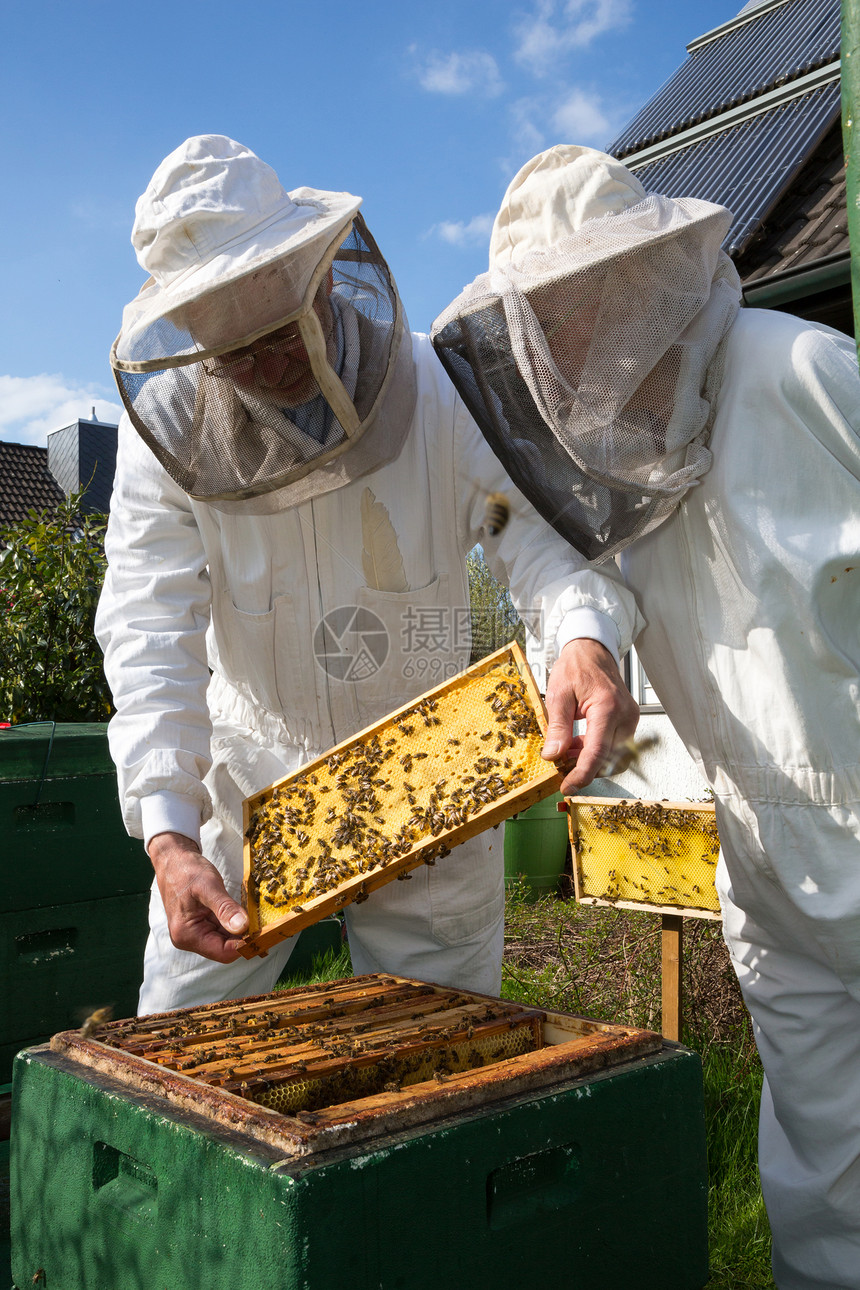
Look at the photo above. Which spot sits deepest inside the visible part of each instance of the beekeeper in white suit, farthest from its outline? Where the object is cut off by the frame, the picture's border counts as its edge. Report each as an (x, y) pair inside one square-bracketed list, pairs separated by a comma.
[(605, 357), (297, 487)]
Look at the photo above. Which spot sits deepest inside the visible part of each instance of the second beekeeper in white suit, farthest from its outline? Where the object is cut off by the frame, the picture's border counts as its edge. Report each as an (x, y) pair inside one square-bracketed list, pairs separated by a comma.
[(716, 449), (297, 487)]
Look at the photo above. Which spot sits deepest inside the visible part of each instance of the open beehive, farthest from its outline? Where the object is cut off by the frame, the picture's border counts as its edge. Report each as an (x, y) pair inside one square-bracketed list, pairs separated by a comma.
[(403, 792), (658, 856), (321, 1065)]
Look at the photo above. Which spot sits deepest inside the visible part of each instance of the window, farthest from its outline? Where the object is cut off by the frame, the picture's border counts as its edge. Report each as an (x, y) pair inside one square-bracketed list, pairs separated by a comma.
[(639, 685)]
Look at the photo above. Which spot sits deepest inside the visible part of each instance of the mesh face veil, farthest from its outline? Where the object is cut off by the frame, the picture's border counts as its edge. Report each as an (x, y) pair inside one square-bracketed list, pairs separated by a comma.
[(289, 373), (591, 366)]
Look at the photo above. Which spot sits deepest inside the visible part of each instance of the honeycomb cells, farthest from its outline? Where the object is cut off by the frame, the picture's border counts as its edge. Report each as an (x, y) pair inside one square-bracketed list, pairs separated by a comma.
[(396, 1072), (327, 1044), (648, 853), (425, 772)]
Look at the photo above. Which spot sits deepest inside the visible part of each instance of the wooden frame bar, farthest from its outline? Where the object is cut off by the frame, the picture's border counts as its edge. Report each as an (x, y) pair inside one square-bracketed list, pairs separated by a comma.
[(672, 961)]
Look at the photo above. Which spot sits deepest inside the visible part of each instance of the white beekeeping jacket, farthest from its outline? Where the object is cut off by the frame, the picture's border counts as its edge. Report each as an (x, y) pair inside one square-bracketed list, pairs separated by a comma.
[(752, 590), (191, 589)]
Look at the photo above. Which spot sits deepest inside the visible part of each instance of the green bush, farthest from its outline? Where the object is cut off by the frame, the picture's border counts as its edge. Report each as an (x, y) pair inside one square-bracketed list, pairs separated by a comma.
[(51, 572)]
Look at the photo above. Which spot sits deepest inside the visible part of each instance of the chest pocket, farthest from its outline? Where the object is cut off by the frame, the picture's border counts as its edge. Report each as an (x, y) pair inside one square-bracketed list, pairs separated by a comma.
[(259, 652)]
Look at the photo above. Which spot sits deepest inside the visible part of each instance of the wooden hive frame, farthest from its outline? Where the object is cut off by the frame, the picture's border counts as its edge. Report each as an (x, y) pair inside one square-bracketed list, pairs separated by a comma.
[(542, 780), (656, 816), (631, 860), (167, 1055)]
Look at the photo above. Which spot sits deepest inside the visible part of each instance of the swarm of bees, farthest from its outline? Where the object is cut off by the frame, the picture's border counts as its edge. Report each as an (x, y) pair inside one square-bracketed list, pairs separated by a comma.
[(415, 779)]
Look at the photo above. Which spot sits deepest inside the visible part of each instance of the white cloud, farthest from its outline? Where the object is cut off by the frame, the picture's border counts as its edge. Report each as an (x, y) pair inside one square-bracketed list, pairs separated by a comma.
[(471, 72), (580, 119), (540, 121), (32, 406), (528, 138), (553, 29), (457, 233)]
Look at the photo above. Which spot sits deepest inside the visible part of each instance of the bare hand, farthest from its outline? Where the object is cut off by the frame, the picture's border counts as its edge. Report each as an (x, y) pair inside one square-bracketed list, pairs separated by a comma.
[(585, 683), (201, 916)]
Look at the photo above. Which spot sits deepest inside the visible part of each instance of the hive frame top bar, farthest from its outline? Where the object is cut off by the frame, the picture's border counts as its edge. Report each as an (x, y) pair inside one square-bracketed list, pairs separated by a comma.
[(548, 779), (573, 1048)]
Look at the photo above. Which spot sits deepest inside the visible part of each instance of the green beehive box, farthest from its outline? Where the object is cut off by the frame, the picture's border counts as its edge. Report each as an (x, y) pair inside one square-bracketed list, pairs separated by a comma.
[(5, 1247), (61, 962), (63, 837), (75, 886), (598, 1180)]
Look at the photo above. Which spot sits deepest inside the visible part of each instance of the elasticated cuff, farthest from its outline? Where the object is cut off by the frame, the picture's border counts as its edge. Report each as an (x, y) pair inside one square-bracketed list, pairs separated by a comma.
[(166, 812), (591, 624)]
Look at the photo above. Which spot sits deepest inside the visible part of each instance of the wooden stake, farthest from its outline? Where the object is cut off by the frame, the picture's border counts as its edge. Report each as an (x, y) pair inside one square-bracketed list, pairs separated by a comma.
[(673, 966)]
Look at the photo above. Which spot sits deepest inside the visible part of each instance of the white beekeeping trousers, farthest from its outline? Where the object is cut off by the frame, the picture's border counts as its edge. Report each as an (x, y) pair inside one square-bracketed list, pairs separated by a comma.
[(800, 976)]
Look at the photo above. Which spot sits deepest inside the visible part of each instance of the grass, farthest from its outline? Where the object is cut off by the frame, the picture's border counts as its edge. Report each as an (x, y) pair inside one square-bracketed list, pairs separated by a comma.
[(737, 1222), (605, 963)]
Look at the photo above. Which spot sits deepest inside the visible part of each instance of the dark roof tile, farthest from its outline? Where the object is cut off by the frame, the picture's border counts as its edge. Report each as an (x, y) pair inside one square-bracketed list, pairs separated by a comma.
[(25, 482), (811, 220)]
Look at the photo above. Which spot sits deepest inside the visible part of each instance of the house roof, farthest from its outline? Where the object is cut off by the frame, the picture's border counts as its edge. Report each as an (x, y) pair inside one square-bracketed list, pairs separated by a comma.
[(751, 121), (25, 482), (764, 47), (748, 166), (83, 456), (811, 223)]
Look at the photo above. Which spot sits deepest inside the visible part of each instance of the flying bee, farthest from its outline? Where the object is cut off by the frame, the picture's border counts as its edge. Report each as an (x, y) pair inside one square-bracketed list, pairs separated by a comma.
[(497, 512), (626, 755), (95, 1020)]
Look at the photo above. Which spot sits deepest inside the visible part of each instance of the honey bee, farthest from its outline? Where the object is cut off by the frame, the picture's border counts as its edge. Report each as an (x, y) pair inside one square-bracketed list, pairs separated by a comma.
[(96, 1019), (497, 512), (626, 755)]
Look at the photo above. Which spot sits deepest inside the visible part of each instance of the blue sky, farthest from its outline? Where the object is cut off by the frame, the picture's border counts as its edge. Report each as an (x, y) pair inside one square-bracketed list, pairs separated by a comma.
[(426, 110)]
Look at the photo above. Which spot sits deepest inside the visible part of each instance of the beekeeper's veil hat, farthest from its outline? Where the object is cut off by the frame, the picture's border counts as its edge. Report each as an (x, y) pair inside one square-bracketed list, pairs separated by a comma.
[(266, 360), (589, 354)]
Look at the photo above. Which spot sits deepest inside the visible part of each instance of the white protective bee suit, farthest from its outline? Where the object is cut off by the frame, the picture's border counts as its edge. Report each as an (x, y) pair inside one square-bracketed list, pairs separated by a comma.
[(752, 595), (210, 620), (751, 592)]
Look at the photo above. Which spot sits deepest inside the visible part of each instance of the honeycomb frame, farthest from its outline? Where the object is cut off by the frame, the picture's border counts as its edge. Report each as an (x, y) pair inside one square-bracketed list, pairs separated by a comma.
[(641, 854), (453, 797), (320, 1045), (396, 1054)]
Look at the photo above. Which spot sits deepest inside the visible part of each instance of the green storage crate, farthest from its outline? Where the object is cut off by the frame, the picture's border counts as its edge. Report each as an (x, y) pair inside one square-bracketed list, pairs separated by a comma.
[(598, 1182), (5, 1245), (536, 847), (75, 886), (63, 837)]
